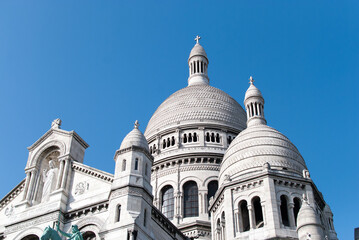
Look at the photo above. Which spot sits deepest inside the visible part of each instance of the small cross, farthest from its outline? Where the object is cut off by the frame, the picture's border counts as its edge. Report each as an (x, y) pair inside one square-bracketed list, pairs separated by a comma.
[(251, 80), (136, 124), (197, 39)]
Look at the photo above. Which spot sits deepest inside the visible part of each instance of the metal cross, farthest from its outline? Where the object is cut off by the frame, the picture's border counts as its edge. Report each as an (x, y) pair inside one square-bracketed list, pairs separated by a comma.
[(136, 124), (197, 39), (251, 80)]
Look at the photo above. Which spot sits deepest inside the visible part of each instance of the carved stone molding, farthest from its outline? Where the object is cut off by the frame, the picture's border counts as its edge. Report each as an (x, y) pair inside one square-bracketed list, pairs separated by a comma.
[(31, 222), (12, 195)]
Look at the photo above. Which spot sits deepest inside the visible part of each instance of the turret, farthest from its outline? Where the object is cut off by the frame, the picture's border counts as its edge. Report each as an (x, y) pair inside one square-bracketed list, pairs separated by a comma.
[(198, 65), (254, 103), (131, 192), (308, 223)]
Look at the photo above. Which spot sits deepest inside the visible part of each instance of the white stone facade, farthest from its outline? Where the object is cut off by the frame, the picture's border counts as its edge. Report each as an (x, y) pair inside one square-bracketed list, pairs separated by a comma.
[(203, 169)]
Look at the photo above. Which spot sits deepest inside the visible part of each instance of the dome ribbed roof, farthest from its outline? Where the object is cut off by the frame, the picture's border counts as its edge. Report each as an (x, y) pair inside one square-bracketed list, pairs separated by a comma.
[(256, 146), (252, 91), (198, 104), (198, 50), (134, 138), (307, 216)]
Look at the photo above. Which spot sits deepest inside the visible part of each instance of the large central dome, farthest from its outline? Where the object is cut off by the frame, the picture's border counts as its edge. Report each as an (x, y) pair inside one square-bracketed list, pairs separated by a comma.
[(197, 104)]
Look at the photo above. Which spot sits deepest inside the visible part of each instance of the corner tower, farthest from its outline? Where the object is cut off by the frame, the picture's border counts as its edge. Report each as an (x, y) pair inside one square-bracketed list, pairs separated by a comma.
[(187, 136)]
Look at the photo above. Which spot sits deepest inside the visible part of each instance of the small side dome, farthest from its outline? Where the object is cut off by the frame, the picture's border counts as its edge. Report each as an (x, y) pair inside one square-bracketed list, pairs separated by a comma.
[(308, 223), (135, 138), (257, 146), (307, 216)]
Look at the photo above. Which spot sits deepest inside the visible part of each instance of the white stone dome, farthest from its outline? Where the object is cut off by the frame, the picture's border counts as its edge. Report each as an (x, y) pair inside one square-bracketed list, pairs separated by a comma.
[(307, 216), (199, 105), (134, 138), (198, 50), (256, 146), (252, 91)]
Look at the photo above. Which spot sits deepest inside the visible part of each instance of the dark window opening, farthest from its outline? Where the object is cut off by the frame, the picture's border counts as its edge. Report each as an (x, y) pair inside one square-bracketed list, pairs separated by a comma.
[(258, 214), (284, 210), (167, 202), (190, 190)]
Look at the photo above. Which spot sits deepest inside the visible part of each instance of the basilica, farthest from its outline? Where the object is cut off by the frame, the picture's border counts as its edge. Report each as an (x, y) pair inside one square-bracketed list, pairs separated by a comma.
[(204, 168)]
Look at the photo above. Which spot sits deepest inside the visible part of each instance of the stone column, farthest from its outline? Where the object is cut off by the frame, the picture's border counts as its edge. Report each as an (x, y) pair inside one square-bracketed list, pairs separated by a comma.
[(291, 214), (263, 212), (236, 220), (201, 201), (158, 144), (27, 181), (61, 171), (31, 185), (223, 226), (251, 217), (178, 137), (67, 171), (224, 138), (201, 136)]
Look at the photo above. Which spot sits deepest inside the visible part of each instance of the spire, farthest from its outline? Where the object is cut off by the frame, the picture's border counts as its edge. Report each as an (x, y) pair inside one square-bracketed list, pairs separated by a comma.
[(254, 103), (198, 64)]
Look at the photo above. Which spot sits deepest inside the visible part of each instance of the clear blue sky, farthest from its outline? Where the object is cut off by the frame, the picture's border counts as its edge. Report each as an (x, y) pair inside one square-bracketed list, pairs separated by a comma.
[(100, 65)]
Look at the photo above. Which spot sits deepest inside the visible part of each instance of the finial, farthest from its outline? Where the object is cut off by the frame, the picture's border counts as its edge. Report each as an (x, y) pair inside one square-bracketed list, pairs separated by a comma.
[(56, 123), (251, 80), (136, 124), (304, 198), (197, 39)]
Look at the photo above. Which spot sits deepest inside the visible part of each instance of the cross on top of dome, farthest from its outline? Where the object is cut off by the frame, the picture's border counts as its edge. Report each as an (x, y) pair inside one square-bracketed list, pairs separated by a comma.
[(137, 124), (251, 80), (197, 39)]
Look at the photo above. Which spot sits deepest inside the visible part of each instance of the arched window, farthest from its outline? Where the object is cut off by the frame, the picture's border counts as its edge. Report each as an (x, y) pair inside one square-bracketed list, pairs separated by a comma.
[(164, 144), (212, 137), (217, 138), (190, 190), (258, 214), (244, 216), (284, 210), (151, 149), (173, 141), (31, 237), (207, 137), (229, 139), (168, 142), (211, 190), (118, 213), (136, 164), (167, 202), (89, 235), (297, 204), (123, 165), (194, 137), (190, 137), (184, 138)]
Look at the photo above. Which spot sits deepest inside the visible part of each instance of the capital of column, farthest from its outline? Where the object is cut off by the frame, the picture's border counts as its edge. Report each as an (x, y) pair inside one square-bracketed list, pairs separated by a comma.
[(291, 205), (249, 207)]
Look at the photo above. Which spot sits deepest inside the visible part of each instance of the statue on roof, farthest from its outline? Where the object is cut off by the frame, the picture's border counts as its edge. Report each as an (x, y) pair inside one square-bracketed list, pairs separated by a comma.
[(56, 123)]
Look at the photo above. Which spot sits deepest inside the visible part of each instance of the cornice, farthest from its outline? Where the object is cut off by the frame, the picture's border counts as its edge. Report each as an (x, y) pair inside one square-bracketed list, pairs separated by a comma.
[(59, 131), (133, 148), (93, 172), (12, 194)]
